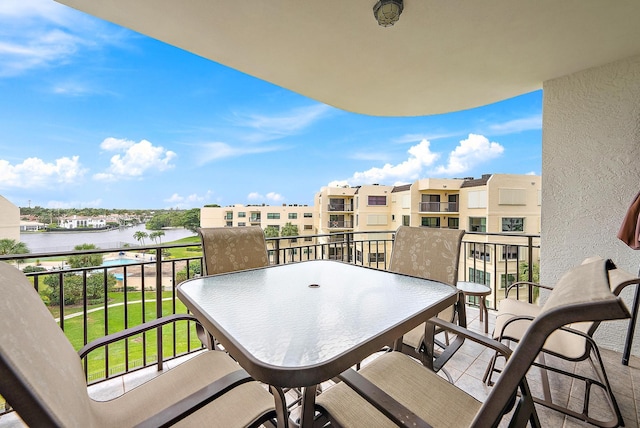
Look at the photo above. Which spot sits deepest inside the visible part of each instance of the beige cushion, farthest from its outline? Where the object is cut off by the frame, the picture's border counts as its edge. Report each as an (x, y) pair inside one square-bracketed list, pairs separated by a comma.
[(237, 408), (229, 249), (423, 392), (560, 342)]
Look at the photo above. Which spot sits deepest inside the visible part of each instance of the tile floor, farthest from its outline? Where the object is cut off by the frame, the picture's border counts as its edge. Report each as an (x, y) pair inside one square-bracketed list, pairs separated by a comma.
[(467, 369)]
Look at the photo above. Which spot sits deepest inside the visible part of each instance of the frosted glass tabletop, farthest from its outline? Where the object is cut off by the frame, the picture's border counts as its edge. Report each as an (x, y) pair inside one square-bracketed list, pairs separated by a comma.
[(287, 325)]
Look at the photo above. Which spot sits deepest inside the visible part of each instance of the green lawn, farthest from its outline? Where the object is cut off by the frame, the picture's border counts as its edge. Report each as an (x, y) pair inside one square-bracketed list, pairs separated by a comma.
[(138, 348)]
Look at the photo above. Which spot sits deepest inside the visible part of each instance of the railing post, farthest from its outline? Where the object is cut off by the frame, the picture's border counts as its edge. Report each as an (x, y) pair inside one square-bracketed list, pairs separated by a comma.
[(348, 247), (530, 261), (159, 347), (277, 251)]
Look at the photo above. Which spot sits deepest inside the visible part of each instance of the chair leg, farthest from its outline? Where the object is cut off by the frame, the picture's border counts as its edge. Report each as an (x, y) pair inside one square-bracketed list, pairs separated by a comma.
[(546, 391), (605, 381)]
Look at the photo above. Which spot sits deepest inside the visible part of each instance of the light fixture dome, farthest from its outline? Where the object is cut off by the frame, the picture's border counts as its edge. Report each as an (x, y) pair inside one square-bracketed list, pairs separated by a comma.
[(387, 12)]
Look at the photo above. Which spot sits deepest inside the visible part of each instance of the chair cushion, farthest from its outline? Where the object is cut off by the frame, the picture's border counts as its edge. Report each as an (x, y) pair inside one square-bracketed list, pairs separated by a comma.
[(237, 408), (560, 342), (428, 395)]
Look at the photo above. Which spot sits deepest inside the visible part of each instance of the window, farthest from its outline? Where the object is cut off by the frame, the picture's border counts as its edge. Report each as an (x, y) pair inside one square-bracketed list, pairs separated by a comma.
[(242, 214), (229, 223), (273, 216), (513, 224), (453, 223), (479, 252), (375, 219), (509, 252), (308, 226), (406, 220), (308, 215), (293, 216), (393, 217), (376, 257), (479, 276), (477, 199), (242, 223), (229, 215), (308, 239), (377, 200), (506, 280), (430, 221), (512, 197), (477, 224)]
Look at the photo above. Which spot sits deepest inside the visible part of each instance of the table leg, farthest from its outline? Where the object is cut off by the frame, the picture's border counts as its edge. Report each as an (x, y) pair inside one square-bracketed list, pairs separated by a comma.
[(307, 406), (483, 309)]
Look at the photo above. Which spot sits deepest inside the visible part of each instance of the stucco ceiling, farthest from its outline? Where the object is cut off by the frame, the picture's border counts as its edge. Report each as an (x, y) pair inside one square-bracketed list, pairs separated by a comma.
[(441, 56)]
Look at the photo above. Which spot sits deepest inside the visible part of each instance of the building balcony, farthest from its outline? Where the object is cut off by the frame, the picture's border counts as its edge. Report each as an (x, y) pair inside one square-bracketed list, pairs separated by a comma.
[(438, 207), (340, 207), (339, 224)]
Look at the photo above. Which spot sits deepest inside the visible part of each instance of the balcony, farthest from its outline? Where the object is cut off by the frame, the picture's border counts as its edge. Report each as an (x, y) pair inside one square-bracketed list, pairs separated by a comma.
[(340, 207), (339, 224), (144, 290), (438, 207)]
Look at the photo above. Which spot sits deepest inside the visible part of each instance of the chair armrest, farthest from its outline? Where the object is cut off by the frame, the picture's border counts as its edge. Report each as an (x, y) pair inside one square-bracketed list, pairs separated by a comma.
[(516, 284), (132, 331), (473, 336), (197, 400)]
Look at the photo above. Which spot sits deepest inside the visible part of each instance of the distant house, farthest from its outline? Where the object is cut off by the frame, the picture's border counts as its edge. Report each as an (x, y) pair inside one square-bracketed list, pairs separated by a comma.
[(31, 226), (80, 222), (9, 220)]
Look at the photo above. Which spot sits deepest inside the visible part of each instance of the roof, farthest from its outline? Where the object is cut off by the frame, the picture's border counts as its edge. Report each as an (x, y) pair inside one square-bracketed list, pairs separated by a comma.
[(441, 56), (475, 182)]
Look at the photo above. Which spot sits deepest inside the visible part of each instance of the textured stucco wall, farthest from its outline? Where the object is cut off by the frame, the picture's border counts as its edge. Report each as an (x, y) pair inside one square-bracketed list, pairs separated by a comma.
[(590, 173)]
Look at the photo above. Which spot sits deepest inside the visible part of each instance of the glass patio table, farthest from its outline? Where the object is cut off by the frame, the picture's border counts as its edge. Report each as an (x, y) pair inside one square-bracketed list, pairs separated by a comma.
[(299, 324)]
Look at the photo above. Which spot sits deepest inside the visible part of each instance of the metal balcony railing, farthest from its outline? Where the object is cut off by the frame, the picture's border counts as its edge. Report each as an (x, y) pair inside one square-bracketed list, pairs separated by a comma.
[(92, 301), (340, 207), (438, 207), (339, 224)]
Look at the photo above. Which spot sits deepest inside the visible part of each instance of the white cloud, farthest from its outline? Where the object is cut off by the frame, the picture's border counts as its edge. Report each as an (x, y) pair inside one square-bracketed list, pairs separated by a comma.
[(420, 156), (136, 159), (271, 196), (36, 173), (517, 125), (209, 152), (43, 33), (74, 204), (473, 151), (189, 201), (279, 126)]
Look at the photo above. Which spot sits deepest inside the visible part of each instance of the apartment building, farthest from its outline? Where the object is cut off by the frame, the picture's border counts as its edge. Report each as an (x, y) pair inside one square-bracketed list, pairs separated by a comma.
[(366, 217)]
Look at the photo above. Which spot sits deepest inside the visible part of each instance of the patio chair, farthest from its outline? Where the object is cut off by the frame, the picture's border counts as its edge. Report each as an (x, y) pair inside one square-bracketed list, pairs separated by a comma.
[(573, 343), (433, 254), (42, 376), (395, 390), (229, 249)]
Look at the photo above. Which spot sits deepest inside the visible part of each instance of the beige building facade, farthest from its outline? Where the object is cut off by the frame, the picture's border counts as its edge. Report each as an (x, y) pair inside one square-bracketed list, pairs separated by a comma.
[(499, 212), (9, 220)]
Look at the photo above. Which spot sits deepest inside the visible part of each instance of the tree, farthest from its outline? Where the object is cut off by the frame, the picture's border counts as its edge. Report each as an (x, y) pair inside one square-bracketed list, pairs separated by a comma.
[(289, 230), (191, 219), (524, 276), (140, 236), (271, 232), (156, 235), (85, 260), (11, 246), (72, 288)]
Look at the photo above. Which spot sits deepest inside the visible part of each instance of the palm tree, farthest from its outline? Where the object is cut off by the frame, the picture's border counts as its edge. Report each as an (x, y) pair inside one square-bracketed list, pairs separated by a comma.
[(140, 236), (11, 246), (158, 234)]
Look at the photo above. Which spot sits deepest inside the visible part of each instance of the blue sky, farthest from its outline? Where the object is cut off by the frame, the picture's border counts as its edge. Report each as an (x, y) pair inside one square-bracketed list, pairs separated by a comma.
[(94, 115)]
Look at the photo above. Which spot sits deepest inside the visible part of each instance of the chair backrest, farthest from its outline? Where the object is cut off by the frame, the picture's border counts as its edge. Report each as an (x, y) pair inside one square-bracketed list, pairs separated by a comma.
[(582, 294), (41, 376), (427, 252), (229, 249)]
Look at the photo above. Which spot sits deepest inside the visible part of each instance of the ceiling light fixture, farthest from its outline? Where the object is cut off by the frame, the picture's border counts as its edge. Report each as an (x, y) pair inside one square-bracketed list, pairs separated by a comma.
[(387, 12)]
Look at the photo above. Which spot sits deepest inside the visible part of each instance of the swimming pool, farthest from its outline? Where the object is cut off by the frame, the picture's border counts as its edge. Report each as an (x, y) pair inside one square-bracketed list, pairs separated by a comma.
[(121, 261)]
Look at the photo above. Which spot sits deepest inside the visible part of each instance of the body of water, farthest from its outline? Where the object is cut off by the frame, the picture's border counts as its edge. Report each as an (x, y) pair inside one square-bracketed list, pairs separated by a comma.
[(42, 242)]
